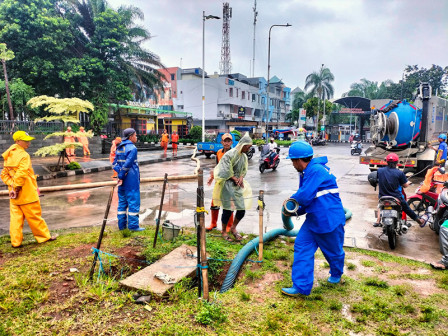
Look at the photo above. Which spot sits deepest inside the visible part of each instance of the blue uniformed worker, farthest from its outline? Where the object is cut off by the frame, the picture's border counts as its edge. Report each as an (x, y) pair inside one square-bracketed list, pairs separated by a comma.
[(126, 165), (441, 151), (318, 198)]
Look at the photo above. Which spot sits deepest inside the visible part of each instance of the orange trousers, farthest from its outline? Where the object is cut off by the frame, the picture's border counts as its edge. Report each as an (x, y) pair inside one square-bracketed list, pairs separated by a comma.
[(85, 148), (32, 212)]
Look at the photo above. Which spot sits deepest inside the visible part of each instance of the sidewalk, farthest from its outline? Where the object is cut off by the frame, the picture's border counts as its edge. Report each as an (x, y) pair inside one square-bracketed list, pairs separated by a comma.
[(100, 162)]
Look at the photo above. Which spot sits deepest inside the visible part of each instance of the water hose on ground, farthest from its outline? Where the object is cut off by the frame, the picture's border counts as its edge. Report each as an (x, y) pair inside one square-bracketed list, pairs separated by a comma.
[(252, 245), (111, 183)]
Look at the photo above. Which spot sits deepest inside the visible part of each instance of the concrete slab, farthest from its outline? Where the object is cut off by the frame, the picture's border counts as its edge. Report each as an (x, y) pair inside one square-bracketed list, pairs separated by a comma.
[(178, 264)]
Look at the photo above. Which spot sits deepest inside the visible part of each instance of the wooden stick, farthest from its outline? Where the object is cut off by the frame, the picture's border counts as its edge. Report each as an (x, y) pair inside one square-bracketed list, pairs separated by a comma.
[(204, 269), (260, 224), (160, 210), (98, 245)]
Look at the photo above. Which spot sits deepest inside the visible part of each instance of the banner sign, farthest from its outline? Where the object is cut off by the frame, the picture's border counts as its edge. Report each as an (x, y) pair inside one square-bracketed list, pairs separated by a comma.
[(351, 110)]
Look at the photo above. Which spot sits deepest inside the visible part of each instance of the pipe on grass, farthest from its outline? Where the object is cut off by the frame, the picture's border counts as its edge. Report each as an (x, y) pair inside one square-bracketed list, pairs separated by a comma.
[(252, 245)]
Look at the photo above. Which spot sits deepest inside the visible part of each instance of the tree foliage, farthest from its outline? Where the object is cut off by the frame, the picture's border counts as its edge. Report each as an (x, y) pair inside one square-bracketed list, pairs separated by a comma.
[(20, 94), (320, 83)]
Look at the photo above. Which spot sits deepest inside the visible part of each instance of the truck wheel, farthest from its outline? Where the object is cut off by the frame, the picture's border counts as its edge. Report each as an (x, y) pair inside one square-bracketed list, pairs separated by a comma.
[(208, 155)]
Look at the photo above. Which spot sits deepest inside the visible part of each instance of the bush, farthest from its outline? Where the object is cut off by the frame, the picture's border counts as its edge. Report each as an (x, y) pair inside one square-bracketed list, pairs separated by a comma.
[(148, 138), (73, 165), (236, 132), (195, 133), (283, 142), (259, 142)]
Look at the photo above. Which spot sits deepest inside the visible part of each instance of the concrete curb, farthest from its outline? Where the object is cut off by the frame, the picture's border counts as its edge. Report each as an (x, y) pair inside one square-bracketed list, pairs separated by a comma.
[(104, 168)]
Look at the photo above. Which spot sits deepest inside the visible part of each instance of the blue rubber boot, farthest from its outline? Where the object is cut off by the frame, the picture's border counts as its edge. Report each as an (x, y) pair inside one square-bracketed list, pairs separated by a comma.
[(137, 229), (334, 280), (291, 292)]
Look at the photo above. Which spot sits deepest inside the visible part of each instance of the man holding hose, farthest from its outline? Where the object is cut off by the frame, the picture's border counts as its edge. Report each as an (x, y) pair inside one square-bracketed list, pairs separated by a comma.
[(318, 197)]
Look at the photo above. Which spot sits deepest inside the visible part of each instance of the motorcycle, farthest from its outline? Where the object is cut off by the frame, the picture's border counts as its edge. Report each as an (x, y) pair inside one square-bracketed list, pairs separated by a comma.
[(356, 148), (393, 218), (318, 142), (421, 202), (250, 153), (265, 160), (440, 213)]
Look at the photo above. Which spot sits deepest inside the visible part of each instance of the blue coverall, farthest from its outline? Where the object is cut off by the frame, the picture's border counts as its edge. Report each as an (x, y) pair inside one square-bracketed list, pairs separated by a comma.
[(318, 197), (126, 165)]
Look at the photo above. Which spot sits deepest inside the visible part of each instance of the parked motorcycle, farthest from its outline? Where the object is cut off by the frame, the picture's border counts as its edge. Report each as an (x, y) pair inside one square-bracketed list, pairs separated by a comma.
[(356, 148), (420, 202), (318, 142), (440, 213), (265, 160)]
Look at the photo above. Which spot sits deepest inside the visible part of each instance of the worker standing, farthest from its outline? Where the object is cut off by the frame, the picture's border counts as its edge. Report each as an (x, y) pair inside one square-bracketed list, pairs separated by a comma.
[(112, 154), (231, 191), (164, 140), (69, 138), (126, 165), (441, 151), (174, 142), (82, 138), (226, 141), (318, 197), (18, 175)]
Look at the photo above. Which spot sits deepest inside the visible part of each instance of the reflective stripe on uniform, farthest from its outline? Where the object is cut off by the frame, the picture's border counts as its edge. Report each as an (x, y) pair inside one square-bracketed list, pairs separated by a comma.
[(133, 213), (121, 212), (328, 191)]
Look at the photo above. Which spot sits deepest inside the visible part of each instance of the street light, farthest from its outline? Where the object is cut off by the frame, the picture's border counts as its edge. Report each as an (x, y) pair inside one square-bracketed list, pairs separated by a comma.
[(204, 17), (269, 67)]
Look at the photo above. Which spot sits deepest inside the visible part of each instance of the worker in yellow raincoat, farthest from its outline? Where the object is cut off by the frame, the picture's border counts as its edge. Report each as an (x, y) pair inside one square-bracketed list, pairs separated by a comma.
[(231, 191), (18, 175), (82, 138)]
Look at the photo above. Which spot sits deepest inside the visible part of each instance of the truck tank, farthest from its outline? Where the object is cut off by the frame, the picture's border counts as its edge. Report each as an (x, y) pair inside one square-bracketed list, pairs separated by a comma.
[(396, 126)]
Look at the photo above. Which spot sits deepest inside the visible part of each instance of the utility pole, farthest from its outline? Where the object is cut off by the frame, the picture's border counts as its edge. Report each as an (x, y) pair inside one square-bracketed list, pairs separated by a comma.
[(225, 65)]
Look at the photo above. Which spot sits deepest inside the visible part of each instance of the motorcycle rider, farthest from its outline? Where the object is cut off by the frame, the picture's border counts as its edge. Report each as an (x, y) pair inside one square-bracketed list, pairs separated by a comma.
[(272, 148), (318, 197), (390, 182), (441, 151)]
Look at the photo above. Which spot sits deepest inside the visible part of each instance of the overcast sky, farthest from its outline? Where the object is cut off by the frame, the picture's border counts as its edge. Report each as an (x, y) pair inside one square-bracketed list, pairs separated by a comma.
[(373, 39)]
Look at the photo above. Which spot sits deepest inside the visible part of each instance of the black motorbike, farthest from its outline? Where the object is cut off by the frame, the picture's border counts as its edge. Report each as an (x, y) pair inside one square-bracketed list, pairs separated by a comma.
[(393, 219), (440, 212), (250, 153), (318, 142)]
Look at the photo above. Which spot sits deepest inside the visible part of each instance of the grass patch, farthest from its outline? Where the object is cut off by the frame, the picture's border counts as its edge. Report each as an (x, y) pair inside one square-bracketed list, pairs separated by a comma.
[(39, 295)]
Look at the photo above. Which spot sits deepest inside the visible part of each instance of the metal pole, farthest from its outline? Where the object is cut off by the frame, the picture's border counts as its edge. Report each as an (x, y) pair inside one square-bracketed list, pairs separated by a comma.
[(198, 233), (253, 44), (203, 260), (100, 238), (160, 210), (203, 76)]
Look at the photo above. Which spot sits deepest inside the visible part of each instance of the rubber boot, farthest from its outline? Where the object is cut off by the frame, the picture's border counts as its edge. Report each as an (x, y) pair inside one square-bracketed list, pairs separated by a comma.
[(229, 223), (215, 215)]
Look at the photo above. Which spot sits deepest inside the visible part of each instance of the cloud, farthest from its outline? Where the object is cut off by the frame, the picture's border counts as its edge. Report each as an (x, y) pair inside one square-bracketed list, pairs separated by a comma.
[(373, 39)]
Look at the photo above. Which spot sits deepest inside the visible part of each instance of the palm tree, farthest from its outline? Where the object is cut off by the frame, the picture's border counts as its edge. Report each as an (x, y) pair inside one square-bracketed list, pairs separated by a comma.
[(320, 84), (368, 89), (132, 59)]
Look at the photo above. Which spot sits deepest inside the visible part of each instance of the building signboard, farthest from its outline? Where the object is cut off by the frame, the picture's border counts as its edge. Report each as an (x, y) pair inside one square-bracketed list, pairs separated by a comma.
[(142, 104), (241, 112), (351, 110)]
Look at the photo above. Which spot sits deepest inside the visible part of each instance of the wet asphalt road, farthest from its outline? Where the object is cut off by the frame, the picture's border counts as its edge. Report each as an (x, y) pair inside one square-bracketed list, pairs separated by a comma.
[(79, 208)]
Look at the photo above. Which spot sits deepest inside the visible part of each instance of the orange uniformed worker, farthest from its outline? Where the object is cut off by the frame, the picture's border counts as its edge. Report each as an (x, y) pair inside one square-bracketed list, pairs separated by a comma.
[(82, 138), (174, 142), (113, 149), (164, 140), (69, 138), (226, 141), (18, 175)]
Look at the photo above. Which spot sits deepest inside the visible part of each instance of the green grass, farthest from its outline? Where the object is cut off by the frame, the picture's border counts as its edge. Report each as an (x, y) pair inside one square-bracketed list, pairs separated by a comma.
[(34, 301)]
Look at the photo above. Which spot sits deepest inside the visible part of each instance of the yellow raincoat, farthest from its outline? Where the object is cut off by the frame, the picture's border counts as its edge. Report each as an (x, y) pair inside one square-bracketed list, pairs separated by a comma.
[(18, 172), (225, 193)]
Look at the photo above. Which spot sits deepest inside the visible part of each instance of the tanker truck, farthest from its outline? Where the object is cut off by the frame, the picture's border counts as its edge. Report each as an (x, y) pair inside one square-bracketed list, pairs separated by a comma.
[(406, 129)]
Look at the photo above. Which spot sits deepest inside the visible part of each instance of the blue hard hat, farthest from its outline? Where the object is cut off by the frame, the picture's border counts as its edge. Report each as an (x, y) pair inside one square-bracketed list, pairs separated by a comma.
[(442, 136), (300, 150)]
